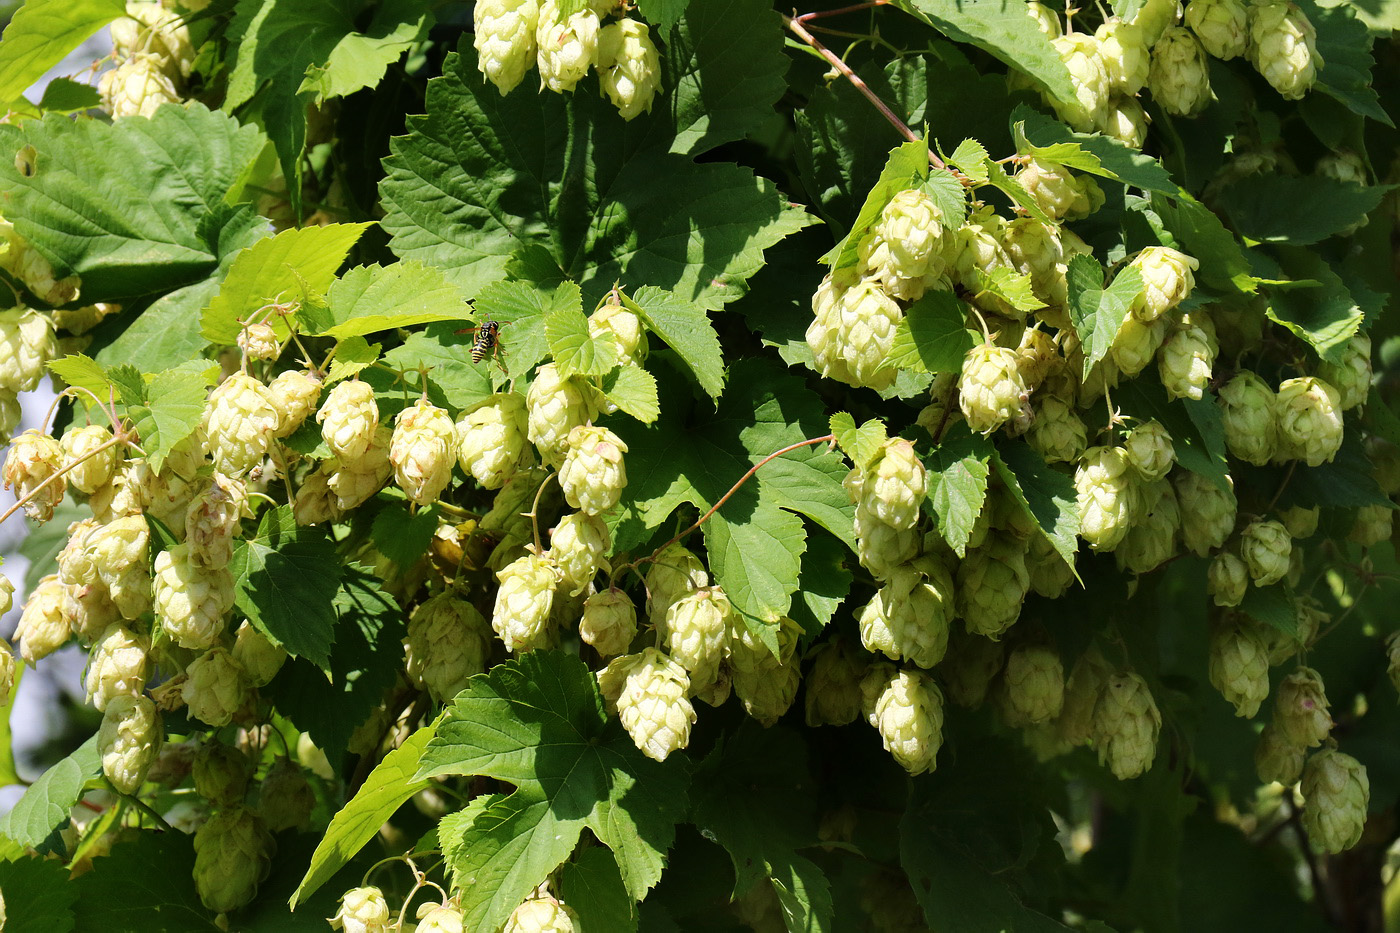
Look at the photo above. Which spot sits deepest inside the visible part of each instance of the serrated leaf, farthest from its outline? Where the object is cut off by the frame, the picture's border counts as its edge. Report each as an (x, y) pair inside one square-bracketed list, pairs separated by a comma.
[(1272, 605), (143, 885), (1110, 158), (1345, 49), (359, 61), (1006, 30), (906, 167), (758, 560), (1297, 209), (1381, 419), (804, 893), (948, 195), (368, 299), (538, 722), (132, 388), (42, 32), (686, 328), (364, 663), (577, 352), (633, 390), (1098, 312), (958, 470), (389, 785), (592, 886), (403, 535), (1201, 235), (174, 407), (285, 579), (859, 443), (46, 802), (968, 158), (476, 182), (82, 372), (825, 584), (1046, 494), (68, 96), (1324, 314), (446, 355), (1348, 482), (1069, 153), (664, 13), (933, 337), (38, 896), (103, 203), (292, 265), (521, 311), (352, 355), (998, 179), (1010, 286)]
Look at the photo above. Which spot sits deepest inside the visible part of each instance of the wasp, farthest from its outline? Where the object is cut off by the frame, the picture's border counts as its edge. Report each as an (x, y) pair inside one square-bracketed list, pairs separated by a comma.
[(486, 341)]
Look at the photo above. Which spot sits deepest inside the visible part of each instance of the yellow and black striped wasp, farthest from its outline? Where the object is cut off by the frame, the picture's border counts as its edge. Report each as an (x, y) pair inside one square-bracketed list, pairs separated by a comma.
[(486, 339)]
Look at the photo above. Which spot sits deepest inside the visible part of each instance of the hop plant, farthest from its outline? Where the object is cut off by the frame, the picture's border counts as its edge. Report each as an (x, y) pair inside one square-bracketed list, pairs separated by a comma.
[(1372, 525), (233, 853), (119, 666), (1283, 47), (765, 683), (435, 919), (137, 87), (1277, 759), (674, 573), (504, 37), (624, 327), (255, 653), (354, 481), (1211, 516), (1152, 540), (1149, 449), (1301, 708), (1188, 356), (908, 714), (221, 773), (1337, 793), (1134, 346), (43, 628), (577, 544), (609, 622), (1227, 580), (881, 547), (1109, 500), (852, 333), (906, 249), (1125, 725), (1154, 17), (191, 600), (990, 389), (542, 915), (556, 405), (215, 689), (32, 470), (1047, 19), (1033, 684), (1350, 376), (1248, 415), (90, 465), (696, 632), (259, 342), (293, 394), (128, 741), (523, 602), (1086, 683), (1265, 548), (1126, 121), (1084, 61), (240, 421), (593, 474), (910, 615), (629, 67), (491, 439), (1057, 433), (992, 583), (1058, 192), (1168, 277), (1124, 53), (1308, 412), (447, 642), (1222, 26), (1239, 664), (567, 46), (1180, 75), (212, 521), (833, 685), (892, 486), (285, 797), (364, 910), (349, 418), (422, 451), (26, 345), (649, 693)]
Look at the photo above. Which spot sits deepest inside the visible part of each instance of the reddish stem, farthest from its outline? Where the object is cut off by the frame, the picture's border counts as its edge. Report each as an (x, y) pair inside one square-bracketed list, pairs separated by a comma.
[(856, 8)]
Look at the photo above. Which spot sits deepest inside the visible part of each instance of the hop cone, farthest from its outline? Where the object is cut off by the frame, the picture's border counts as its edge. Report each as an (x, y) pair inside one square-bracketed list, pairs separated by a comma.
[(1221, 25), (348, 418), (629, 67), (609, 622), (491, 439), (215, 688), (1337, 794), (649, 690), (129, 741), (191, 600), (422, 451), (240, 421), (908, 714), (447, 641), (593, 474), (990, 389), (1108, 497), (852, 333), (1239, 664), (233, 852), (504, 36), (1283, 47), (1180, 75), (1125, 725), (523, 602), (1168, 277), (30, 468), (557, 405)]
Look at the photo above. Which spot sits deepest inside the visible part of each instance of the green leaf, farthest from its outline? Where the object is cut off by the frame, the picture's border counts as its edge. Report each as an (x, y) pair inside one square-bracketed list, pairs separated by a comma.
[(46, 802), (998, 179), (1046, 494), (686, 328), (906, 167), (1324, 314), (933, 337), (1005, 30), (285, 580), (1010, 286), (1345, 49), (862, 443), (364, 663), (1098, 312), (825, 583), (521, 311), (68, 96), (577, 352), (538, 722), (633, 390), (446, 355), (103, 203), (389, 785), (174, 407), (1297, 209), (359, 61), (296, 263), (1272, 605), (42, 33), (1069, 153), (144, 885), (38, 896), (723, 67), (1201, 235), (759, 560), (969, 158), (1198, 434), (403, 535), (592, 886), (1110, 158), (482, 178), (82, 372), (958, 469), (353, 355), (368, 299), (1345, 483)]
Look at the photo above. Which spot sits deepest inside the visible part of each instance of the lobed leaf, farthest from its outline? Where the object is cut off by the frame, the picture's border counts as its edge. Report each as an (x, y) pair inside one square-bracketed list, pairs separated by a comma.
[(46, 803), (369, 299), (958, 471), (933, 337)]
